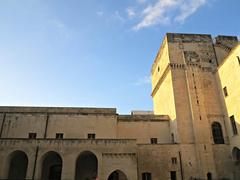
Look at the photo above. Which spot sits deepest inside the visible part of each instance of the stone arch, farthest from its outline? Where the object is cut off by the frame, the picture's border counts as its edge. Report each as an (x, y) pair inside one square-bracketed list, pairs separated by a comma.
[(18, 163), (51, 166), (86, 166), (117, 175), (217, 133)]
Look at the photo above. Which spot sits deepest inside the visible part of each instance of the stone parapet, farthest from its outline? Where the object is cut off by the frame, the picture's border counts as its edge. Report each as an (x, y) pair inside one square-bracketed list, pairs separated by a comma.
[(57, 110)]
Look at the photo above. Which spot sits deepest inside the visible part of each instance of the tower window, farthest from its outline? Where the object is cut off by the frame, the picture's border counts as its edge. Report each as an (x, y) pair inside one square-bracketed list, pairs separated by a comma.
[(158, 68), (59, 135), (153, 140), (146, 176), (225, 91), (217, 133), (174, 160), (91, 136), (234, 126), (238, 60), (32, 135), (172, 138)]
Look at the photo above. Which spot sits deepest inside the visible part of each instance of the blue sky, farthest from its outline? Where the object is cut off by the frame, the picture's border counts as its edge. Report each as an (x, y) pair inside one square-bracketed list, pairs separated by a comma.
[(95, 53)]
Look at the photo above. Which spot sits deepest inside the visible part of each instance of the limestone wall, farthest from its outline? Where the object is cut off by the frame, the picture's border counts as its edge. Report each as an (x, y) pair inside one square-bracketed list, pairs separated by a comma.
[(79, 126), (228, 74), (17, 122), (143, 128), (157, 159), (18, 125)]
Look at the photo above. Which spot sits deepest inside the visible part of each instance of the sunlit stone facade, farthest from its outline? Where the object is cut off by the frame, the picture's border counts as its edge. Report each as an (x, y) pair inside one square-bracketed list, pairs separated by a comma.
[(189, 135)]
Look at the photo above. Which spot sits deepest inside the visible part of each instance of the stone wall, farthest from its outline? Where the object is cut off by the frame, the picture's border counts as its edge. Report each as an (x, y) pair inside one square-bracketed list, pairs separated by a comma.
[(111, 154)]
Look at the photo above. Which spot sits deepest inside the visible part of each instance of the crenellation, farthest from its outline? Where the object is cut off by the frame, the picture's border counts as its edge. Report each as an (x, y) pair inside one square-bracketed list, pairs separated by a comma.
[(188, 38), (229, 41)]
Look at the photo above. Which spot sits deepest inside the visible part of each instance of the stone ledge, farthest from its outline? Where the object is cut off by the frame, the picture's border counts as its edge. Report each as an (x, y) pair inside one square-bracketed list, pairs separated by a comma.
[(135, 118), (21, 141), (57, 110)]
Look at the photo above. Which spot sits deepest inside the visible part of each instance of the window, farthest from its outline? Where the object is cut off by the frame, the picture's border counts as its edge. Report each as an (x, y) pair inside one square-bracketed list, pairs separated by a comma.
[(172, 137), (146, 176), (153, 140), (32, 135), (174, 160), (234, 126), (59, 135), (217, 133), (238, 60), (91, 136), (173, 175), (225, 91), (158, 68)]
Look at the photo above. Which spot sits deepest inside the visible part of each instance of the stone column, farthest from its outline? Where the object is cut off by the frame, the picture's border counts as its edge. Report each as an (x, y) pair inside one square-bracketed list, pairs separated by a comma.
[(68, 166), (31, 161)]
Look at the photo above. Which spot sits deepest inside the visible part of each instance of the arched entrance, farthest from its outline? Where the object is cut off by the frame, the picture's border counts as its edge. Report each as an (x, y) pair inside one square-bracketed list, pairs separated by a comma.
[(236, 159), (51, 166), (18, 165), (209, 176), (86, 166), (117, 175)]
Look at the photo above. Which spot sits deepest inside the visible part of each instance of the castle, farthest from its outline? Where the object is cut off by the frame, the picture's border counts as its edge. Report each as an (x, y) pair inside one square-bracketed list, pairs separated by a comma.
[(193, 132)]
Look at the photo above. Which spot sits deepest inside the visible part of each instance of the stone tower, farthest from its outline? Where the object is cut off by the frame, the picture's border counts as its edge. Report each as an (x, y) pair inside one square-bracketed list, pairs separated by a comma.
[(185, 87)]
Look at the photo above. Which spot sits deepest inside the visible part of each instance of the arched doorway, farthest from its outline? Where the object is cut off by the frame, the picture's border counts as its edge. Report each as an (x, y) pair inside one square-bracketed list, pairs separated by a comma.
[(209, 176), (117, 175), (86, 166), (236, 159), (18, 165), (51, 166)]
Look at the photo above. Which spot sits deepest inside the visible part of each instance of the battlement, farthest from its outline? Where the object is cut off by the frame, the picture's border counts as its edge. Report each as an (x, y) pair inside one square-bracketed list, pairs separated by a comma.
[(226, 42), (223, 38), (188, 38)]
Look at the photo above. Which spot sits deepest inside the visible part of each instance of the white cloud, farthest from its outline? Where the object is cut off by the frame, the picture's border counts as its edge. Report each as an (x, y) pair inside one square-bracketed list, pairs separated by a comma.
[(130, 12), (156, 14), (100, 13), (117, 16), (57, 23), (143, 81), (141, 1), (188, 8), (61, 28), (165, 11)]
